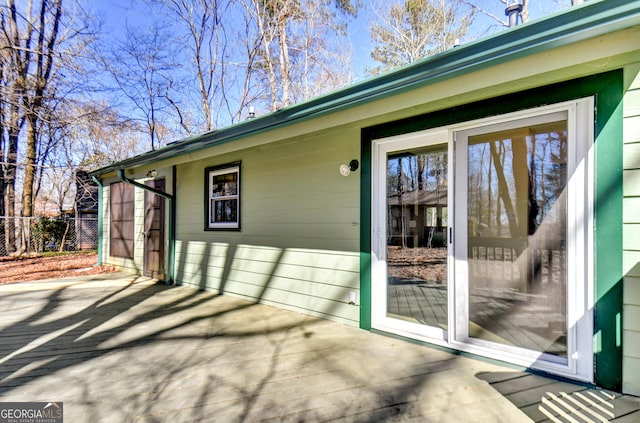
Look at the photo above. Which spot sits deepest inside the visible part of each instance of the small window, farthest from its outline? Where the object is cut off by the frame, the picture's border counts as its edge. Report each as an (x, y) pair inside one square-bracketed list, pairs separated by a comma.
[(223, 197)]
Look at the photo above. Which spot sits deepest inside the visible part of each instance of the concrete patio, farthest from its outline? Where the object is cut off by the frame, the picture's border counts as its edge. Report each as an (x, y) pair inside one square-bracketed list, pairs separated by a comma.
[(117, 348)]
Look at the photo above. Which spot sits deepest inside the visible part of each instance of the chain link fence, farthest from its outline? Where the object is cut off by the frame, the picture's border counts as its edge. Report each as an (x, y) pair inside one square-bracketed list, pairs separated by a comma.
[(29, 235)]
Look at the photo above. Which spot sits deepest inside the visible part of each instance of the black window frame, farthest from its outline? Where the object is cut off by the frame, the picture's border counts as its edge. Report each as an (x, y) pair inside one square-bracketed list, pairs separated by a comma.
[(228, 168)]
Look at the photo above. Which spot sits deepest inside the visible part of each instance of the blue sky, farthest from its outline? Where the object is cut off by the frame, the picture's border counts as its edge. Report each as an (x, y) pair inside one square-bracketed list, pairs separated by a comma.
[(117, 13)]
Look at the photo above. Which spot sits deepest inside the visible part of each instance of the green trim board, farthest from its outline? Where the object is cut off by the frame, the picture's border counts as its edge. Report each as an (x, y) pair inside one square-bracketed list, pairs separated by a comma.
[(608, 233), (365, 231), (607, 89)]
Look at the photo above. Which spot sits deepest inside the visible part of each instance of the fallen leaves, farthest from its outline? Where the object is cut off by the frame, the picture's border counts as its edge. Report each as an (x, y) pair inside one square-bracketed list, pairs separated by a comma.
[(23, 269)]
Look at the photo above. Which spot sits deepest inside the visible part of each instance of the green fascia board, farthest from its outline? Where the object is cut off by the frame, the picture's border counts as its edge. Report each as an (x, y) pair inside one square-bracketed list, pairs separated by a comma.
[(575, 24)]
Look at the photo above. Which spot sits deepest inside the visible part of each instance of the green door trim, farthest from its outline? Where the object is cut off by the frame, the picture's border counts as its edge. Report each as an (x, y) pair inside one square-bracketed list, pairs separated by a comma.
[(607, 88)]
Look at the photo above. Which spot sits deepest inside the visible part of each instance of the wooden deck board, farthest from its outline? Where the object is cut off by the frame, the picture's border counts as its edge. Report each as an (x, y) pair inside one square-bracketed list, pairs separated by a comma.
[(129, 350), (426, 303), (547, 400)]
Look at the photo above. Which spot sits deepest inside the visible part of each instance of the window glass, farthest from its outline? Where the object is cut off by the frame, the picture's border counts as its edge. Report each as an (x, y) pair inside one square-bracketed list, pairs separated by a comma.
[(517, 237), (223, 188)]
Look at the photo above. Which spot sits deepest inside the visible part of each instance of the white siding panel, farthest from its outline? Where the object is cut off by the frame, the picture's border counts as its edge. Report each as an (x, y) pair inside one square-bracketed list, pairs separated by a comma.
[(631, 234), (631, 378), (631, 210), (632, 103), (632, 76), (632, 293), (631, 130), (631, 156), (632, 352), (631, 237), (630, 263), (631, 183), (631, 316)]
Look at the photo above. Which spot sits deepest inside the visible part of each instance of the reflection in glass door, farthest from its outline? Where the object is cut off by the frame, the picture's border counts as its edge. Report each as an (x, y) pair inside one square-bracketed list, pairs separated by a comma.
[(416, 207), (410, 235), (517, 241)]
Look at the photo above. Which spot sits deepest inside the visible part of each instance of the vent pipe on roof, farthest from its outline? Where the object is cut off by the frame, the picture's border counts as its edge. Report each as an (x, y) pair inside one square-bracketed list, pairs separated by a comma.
[(513, 11)]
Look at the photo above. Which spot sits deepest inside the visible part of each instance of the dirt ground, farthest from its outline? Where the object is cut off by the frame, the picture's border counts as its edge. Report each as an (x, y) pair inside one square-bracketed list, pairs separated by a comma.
[(428, 264), (23, 269)]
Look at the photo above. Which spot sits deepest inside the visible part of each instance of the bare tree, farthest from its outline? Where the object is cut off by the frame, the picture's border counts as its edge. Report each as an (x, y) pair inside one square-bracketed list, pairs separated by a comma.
[(202, 38), (99, 136), (413, 29), (41, 42), (141, 67), (13, 120), (323, 59), (282, 51)]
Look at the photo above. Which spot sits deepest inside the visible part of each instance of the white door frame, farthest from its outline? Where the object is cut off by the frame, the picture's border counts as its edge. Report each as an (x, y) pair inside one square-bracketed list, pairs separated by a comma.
[(580, 286), (379, 318)]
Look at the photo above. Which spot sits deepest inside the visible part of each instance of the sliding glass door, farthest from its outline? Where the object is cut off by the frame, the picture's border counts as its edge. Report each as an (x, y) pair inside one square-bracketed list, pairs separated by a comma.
[(516, 235), (413, 221), (481, 237)]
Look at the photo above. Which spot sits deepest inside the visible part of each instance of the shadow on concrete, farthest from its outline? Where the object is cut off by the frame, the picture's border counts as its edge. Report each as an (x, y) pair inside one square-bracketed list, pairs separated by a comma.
[(128, 349)]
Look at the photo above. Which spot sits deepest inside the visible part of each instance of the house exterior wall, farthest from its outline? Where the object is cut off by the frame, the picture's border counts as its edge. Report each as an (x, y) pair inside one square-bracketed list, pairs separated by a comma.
[(300, 241), (298, 246), (631, 233), (304, 242)]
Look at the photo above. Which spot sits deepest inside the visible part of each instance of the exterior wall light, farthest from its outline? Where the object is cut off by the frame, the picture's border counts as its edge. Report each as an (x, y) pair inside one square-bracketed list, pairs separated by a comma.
[(152, 173), (346, 169)]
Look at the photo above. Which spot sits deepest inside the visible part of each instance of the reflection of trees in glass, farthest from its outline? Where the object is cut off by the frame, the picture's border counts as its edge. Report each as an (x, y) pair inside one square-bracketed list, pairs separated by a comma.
[(415, 181), (407, 172), (517, 208), (515, 179)]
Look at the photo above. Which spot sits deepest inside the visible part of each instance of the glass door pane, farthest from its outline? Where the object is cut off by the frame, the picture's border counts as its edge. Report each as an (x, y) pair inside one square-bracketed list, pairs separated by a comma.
[(416, 235), (517, 237)]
